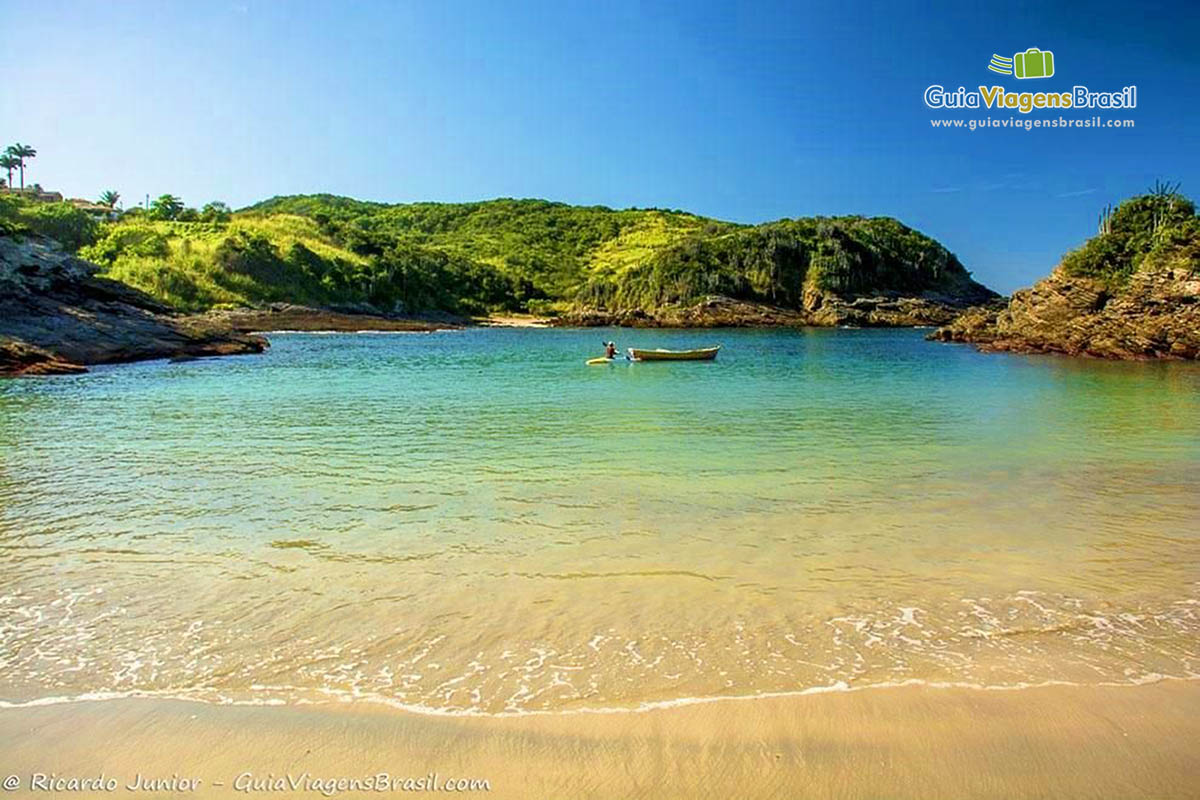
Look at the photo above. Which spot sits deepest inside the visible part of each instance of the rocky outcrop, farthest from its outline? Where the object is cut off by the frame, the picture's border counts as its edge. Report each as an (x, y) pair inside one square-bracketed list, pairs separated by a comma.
[(712, 312), (56, 315), (892, 309), (20, 358), (289, 317), (1155, 315), (885, 310)]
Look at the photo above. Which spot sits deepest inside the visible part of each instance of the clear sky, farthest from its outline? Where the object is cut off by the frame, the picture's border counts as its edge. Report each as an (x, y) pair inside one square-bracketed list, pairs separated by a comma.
[(742, 111)]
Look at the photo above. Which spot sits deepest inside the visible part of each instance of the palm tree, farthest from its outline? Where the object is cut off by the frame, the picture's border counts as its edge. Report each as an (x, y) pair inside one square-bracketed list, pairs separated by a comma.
[(9, 163), (21, 152), (109, 198), (167, 206), (216, 211)]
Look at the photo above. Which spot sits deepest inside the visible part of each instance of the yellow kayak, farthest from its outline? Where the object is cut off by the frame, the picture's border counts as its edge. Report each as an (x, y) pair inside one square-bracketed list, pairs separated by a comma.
[(601, 360)]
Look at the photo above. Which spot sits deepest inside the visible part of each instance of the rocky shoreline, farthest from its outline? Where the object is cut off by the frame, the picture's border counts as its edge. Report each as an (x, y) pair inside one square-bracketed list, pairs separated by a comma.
[(1131, 291), (1157, 315), (713, 312), (819, 310), (281, 317), (57, 317)]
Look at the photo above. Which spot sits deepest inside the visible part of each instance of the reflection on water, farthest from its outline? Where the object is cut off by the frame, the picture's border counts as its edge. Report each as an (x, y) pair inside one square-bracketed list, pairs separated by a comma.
[(477, 521)]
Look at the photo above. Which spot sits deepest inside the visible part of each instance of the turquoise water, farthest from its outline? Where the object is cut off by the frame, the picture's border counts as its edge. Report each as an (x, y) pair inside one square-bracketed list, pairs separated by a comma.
[(477, 521)]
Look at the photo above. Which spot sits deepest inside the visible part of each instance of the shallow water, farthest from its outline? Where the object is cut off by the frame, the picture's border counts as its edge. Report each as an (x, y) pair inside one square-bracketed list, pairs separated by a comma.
[(476, 521)]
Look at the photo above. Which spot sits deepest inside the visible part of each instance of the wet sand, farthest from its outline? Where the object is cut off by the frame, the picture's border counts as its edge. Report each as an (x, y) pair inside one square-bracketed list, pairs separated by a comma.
[(906, 742)]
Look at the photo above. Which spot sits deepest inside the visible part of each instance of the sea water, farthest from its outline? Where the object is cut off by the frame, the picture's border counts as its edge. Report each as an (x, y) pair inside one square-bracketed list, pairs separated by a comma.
[(477, 522)]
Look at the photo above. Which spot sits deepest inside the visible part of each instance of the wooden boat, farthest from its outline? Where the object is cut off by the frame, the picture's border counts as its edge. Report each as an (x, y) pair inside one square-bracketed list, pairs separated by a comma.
[(703, 354)]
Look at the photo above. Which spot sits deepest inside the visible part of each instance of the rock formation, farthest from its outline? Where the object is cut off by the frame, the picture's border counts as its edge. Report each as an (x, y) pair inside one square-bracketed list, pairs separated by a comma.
[(1156, 316), (1132, 291), (819, 309), (56, 316)]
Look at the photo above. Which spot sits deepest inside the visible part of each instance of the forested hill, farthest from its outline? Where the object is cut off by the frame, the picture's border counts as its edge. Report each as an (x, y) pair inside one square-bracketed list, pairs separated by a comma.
[(542, 251), (521, 255)]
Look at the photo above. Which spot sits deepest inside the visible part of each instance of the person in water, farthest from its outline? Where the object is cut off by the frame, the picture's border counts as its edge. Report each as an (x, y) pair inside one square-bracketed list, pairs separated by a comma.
[(610, 349)]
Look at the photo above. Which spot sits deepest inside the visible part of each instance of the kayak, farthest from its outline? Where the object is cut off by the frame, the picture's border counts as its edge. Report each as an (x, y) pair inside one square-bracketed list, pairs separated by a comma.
[(702, 354), (600, 360)]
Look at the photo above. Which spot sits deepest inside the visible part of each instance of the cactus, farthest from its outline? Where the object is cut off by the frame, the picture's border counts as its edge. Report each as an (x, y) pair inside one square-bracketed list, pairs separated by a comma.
[(1105, 221), (1165, 189)]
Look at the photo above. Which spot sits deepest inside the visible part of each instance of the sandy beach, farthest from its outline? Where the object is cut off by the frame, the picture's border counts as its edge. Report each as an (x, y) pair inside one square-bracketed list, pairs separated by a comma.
[(514, 321), (905, 742)]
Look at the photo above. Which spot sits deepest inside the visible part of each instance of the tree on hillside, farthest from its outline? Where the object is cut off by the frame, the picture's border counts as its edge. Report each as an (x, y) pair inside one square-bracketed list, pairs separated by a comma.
[(9, 162), (109, 198), (216, 211), (21, 152), (167, 206)]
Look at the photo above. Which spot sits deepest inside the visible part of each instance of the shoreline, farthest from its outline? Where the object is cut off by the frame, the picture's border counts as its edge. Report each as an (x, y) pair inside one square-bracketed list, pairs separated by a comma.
[(714, 313), (918, 742), (286, 318), (382, 704)]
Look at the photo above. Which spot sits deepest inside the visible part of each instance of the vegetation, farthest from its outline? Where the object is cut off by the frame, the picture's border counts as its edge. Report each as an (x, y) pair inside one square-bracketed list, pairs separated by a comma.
[(19, 152), (8, 163), (557, 255), (216, 211), (109, 198), (778, 262), (166, 207), (286, 258), (61, 221), (502, 255), (1145, 229)]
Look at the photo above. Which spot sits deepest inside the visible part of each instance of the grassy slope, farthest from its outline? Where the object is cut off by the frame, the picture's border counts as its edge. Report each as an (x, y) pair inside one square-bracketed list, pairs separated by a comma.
[(508, 255), (258, 259), (186, 265)]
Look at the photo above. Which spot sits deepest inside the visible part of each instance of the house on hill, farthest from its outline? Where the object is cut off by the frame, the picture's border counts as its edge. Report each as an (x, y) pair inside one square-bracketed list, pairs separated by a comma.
[(36, 193), (98, 211)]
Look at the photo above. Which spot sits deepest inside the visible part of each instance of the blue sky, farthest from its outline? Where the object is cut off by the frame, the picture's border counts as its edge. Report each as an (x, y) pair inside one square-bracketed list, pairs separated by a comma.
[(741, 111)]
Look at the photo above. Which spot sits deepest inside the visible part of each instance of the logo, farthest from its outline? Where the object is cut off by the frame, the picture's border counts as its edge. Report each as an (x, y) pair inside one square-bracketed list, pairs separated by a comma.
[(1033, 63), (1001, 64)]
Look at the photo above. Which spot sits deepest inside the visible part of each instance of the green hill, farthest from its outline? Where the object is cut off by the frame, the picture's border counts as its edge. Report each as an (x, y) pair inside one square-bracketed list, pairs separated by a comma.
[(1141, 232), (514, 255)]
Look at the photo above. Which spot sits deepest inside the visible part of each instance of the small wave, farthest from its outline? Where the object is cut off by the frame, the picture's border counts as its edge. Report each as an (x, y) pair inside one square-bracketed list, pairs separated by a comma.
[(646, 573), (338, 696)]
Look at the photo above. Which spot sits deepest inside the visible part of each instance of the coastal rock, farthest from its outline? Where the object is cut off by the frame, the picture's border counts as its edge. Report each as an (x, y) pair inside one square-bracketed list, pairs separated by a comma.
[(1131, 291), (56, 315), (713, 312), (19, 358), (892, 310), (290, 317), (1156, 315), (884, 310)]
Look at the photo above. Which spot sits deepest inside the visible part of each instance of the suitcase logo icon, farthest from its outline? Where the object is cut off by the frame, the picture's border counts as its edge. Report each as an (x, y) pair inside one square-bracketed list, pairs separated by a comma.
[(1033, 63)]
